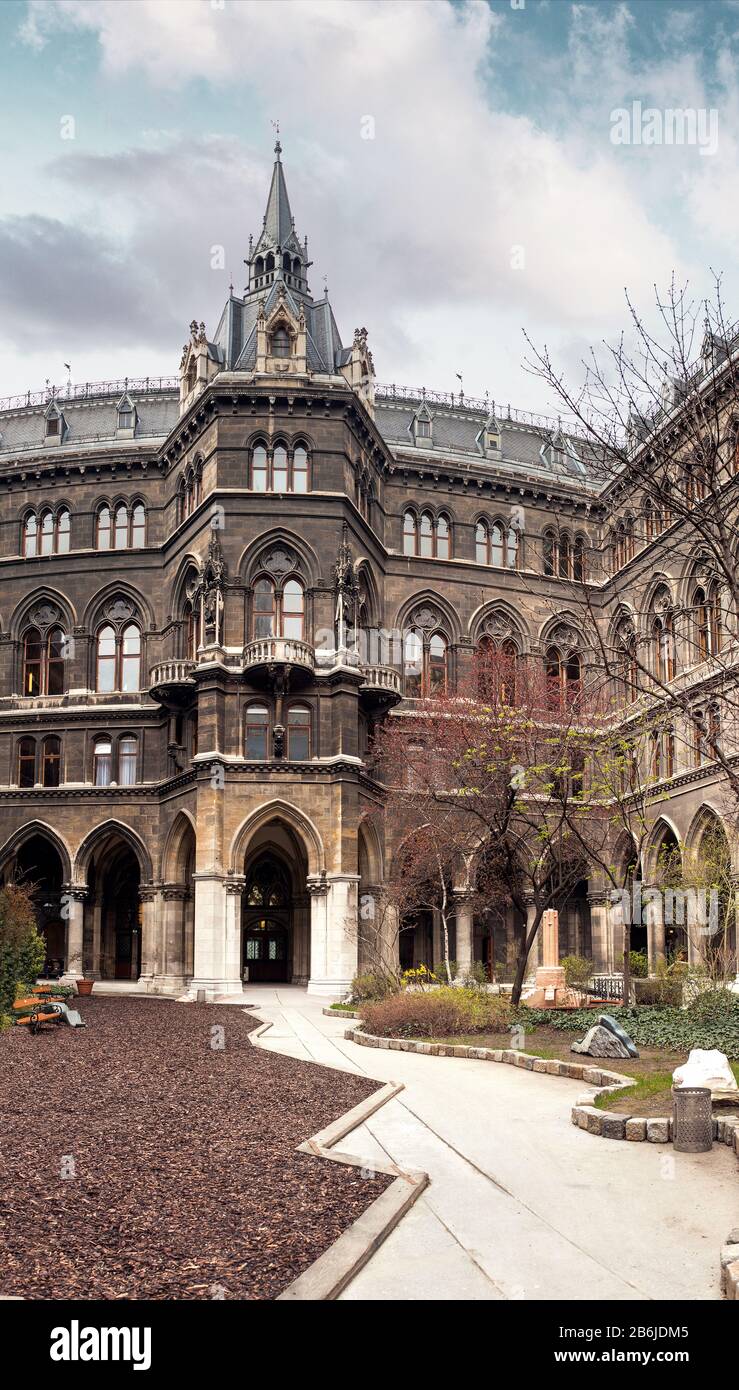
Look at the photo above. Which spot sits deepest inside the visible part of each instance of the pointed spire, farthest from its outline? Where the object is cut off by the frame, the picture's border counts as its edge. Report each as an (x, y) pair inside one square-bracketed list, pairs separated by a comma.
[(278, 219)]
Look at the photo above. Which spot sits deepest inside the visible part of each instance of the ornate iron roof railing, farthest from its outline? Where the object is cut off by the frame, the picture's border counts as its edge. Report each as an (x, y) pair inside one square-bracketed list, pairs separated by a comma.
[(91, 390), (459, 401)]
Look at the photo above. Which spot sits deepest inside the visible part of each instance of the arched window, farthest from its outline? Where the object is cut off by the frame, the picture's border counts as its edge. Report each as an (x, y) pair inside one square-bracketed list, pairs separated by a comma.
[(300, 469), (121, 527), (51, 761), (702, 625), (191, 632), (714, 617), (26, 762), (663, 648), (700, 740), (578, 560), (669, 751), (46, 526), (553, 678), (279, 469), (43, 662), (63, 524), (280, 343), (714, 729), (264, 608), (564, 567), (131, 658), (103, 762), (512, 539), (550, 552), (257, 733), (649, 520), (138, 525), (298, 733), (573, 678), (118, 658), (127, 760), (103, 528), (410, 534), (655, 755), (293, 614), (496, 544), (509, 654), (30, 536), (426, 532), (481, 543), (425, 663), (442, 538)]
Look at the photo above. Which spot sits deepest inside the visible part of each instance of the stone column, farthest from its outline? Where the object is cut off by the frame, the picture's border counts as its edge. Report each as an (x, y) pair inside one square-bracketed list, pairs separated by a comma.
[(97, 936), (601, 932), (235, 886), (655, 928), (465, 933), (152, 932), (334, 934), (74, 900), (170, 977), (318, 893), (211, 934)]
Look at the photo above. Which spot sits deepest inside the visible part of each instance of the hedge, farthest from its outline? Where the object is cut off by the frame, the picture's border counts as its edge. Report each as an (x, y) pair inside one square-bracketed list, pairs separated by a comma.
[(711, 1021)]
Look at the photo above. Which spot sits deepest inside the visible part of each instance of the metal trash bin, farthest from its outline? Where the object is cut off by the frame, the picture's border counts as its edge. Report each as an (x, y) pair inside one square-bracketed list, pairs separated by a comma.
[(692, 1120)]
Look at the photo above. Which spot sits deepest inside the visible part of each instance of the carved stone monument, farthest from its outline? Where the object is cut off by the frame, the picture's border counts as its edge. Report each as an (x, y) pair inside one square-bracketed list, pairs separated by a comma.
[(550, 990)]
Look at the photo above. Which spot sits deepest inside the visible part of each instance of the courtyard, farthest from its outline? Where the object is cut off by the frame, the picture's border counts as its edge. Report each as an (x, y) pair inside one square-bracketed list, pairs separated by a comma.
[(153, 1155)]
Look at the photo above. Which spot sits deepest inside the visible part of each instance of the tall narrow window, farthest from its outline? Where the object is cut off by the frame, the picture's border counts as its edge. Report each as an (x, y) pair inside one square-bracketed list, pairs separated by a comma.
[(511, 557), (427, 534), (437, 663), (300, 469), (103, 762), (669, 758), (121, 528), (298, 733), (106, 660), (702, 626), (127, 749), (32, 657), (30, 536), (62, 531), (55, 650), (714, 618), (409, 534), (27, 762), (496, 544), (131, 658), (481, 543), (442, 538), (138, 525), (578, 560), (279, 469), (564, 556), (413, 663), (550, 552), (553, 668), (573, 678), (51, 761), (292, 610), (259, 469), (257, 732), (264, 608), (47, 533), (103, 529)]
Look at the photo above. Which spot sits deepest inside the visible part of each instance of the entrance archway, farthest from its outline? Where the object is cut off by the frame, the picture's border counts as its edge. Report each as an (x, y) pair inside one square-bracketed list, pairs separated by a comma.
[(275, 907), (114, 880), (39, 867)]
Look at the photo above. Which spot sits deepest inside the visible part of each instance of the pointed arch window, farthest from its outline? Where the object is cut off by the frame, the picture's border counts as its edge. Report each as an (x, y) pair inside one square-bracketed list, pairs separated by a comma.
[(565, 557), (578, 560), (259, 471), (63, 525), (563, 678), (30, 536), (104, 528), (46, 530), (702, 624), (279, 469), (43, 662), (264, 608), (279, 612), (442, 538), (426, 534), (118, 658), (138, 525), (293, 610), (410, 534), (425, 663), (663, 647), (550, 552), (300, 469), (127, 760)]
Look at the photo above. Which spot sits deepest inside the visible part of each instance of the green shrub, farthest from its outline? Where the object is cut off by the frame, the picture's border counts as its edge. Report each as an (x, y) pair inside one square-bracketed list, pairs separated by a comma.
[(664, 992), (22, 949), (440, 971), (578, 970), (438, 1013), (372, 985), (476, 977), (676, 1029), (638, 965)]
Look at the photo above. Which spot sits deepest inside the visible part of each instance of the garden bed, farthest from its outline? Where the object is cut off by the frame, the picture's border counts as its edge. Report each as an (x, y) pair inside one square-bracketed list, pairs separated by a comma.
[(186, 1181)]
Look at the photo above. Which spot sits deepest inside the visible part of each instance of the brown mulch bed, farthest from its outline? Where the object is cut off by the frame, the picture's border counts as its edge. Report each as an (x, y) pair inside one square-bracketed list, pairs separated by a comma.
[(186, 1181)]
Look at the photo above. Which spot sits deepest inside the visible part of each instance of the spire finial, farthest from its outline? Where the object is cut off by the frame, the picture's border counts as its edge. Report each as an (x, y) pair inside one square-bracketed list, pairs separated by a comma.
[(278, 146)]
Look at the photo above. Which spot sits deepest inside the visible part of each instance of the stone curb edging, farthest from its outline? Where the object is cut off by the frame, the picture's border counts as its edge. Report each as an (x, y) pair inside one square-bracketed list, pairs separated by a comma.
[(604, 1123), (328, 1275), (340, 1013)]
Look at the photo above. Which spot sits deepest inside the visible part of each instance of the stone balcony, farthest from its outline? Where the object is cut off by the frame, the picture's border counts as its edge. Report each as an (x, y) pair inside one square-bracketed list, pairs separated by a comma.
[(381, 684), (271, 653), (171, 682)]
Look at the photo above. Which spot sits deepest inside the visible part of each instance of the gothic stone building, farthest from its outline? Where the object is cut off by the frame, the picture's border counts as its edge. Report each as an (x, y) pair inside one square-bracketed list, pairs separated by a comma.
[(197, 576)]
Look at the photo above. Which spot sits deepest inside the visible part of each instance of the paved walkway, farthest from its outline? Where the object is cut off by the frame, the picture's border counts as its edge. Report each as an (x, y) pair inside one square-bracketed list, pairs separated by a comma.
[(521, 1204)]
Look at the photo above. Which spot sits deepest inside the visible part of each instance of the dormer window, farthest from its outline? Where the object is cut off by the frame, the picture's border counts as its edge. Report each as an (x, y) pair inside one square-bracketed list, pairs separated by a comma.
[(126, 416), (280, 343), (423, 429), (52, 426)]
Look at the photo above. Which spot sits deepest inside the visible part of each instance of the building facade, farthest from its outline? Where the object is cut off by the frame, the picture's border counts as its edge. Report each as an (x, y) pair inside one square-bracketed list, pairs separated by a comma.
[(213, 585)]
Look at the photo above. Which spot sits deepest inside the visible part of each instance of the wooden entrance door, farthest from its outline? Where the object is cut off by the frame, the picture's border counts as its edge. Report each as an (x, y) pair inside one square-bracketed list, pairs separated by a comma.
[(265, 950)]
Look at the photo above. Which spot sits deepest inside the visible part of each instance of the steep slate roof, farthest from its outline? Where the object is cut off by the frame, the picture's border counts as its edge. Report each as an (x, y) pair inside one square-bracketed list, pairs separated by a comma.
[(88, 422)]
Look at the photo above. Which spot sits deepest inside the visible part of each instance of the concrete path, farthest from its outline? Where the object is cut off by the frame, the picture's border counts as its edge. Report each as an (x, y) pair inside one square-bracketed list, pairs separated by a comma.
[(521, 1204)]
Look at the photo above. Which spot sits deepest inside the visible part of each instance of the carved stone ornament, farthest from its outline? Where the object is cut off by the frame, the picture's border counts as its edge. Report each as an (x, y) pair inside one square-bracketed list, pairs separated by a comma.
[(279, 560), (566, 636), (45, 615), (426, 617), (119, 611), (498, 627)]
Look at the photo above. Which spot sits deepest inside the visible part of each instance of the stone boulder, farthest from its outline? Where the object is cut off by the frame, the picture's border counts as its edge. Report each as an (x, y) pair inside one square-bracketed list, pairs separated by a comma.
[(613, 1026), (601, 1042), (706, 1068)]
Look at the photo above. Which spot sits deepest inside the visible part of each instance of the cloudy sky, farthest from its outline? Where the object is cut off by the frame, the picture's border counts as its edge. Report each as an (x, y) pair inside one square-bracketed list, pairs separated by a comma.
[(491, 198)]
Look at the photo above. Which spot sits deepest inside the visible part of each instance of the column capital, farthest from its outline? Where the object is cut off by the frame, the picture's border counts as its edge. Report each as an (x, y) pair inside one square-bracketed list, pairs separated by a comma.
[(316, 885), (235, 884), (78, 891)]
